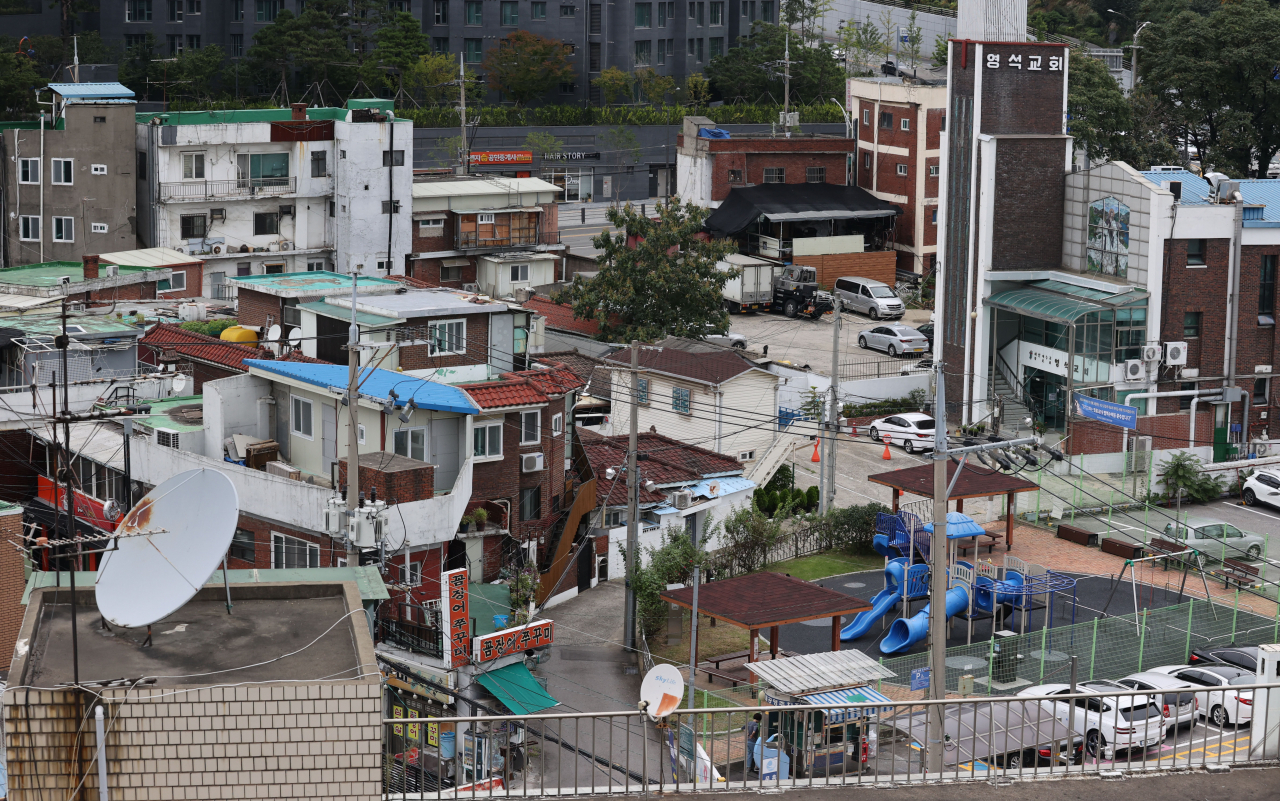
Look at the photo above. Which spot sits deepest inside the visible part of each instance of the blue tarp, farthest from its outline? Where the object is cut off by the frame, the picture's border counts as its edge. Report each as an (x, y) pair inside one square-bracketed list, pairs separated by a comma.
[(713, 133)]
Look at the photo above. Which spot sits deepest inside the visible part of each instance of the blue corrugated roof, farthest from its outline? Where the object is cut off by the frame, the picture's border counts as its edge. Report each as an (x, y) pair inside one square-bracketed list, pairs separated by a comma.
[(1194, 188), (91, 91), (728, 486), (1264, 192), (852, 695), (374, 383)]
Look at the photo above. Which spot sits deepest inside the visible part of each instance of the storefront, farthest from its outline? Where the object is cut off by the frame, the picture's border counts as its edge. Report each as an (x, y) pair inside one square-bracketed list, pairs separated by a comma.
[(576, 181)]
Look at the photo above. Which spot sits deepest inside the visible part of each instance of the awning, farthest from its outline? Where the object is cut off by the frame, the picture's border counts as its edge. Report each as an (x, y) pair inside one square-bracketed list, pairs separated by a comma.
[(828, 214), (779, 202), (853, 695), (810, 672), (1043, 305), (517, 689)]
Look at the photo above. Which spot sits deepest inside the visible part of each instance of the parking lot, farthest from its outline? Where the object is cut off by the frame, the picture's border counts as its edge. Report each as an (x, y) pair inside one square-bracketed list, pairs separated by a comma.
[(804, 342)]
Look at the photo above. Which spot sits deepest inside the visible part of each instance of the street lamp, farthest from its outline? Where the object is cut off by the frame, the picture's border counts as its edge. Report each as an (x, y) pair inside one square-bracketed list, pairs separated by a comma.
[(1135, 46)]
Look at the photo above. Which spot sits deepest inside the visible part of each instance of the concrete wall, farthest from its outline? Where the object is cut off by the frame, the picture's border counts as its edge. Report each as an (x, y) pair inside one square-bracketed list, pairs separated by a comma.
[(361, 184), (931, 25), (235, 405), (794, 386)]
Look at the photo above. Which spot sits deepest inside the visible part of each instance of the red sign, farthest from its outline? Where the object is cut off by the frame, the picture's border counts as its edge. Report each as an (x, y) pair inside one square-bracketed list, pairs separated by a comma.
[(458, 614), (87, 509), (502, 157), (514, 641)]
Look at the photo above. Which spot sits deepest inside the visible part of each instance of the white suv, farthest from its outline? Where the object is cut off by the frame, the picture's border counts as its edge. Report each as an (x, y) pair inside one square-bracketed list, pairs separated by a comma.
[(1110, 724)]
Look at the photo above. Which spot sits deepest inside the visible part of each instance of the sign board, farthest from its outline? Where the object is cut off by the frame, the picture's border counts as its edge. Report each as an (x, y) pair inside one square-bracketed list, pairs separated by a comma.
[(1031, 62), (457, 606), (502, 157), (662, 689), (517, 640), (607, 186), (571, 156), (1116, 414), (920, 679)]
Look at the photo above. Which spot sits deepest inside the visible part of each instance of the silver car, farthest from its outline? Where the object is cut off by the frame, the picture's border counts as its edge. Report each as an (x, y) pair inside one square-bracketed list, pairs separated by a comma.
[(894, 339), (1216, 540), (875, 299), (1178, 703)]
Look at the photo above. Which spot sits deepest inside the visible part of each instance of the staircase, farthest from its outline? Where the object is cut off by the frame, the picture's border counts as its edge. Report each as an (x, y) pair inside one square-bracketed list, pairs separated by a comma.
[(1015, 411), (775, 457)]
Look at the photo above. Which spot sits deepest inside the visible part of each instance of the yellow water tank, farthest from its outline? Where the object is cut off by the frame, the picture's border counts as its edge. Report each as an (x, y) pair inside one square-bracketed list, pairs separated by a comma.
[(239, 334)]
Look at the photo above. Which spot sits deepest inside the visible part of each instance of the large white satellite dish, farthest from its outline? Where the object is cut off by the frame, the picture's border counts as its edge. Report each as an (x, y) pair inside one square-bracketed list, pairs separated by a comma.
[(295, 338), (273, 333), (151, 575)]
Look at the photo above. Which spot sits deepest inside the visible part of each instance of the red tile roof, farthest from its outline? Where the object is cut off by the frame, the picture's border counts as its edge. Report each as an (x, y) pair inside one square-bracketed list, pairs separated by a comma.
[(561, 316), (663, 461), (588, 368), (554, 380), (505, 394), (713, 367), (168, 337)]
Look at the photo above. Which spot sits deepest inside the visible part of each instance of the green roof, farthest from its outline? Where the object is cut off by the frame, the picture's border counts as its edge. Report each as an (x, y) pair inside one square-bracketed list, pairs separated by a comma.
[(161, 416), (49, 326), (517, 689), (237, 115), (385, 106), (488, 600), (1042, 305), (319, 282), (362, 318), (366, 578), (33, 125), (51, 273)]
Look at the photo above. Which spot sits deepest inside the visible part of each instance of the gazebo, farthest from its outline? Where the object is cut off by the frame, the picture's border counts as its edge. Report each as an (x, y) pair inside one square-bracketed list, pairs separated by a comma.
[(766, 601), (975, 482)]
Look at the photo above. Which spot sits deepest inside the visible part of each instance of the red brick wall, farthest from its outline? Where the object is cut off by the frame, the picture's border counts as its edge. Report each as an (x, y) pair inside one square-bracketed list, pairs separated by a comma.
[(12, 584), (895, 136), (403, 486), (142, 291), (502, 479), (194, 273), (414, 357), (753, 166), (931, 181), (429, 270), (330, 551), (253, 308), (876, 265), (1166, 431), (934, 119), (431, 244)]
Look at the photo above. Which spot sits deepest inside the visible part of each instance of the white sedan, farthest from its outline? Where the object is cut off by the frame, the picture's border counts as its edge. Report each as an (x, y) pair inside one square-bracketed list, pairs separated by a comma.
[(894, 339), (1110, 724), (1262, 487), (1179, 703), (913, 431), (1221, 690)]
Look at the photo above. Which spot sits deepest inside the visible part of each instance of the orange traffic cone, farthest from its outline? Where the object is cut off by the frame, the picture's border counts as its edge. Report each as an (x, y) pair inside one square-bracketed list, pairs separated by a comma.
[(887, 456), (815, 458)]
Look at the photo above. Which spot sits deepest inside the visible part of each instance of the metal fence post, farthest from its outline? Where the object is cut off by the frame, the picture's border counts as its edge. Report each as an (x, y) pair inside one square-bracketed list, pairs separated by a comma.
[(1044, 635), (1191, 608), (991, 654), (1275, 635), (1142, 639), (1093, 649), (1234, 612)]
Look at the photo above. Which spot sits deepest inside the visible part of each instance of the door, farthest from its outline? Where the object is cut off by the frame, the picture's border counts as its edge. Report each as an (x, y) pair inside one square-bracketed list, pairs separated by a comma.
[(1222, 449), (586, 565), (445, 451), (328, 437)]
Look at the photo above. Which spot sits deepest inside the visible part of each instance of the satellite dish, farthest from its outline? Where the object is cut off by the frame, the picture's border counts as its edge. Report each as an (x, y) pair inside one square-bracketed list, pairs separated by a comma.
[(150, 576), (295, 338), (662, 690), (179, 382), (273, 333)]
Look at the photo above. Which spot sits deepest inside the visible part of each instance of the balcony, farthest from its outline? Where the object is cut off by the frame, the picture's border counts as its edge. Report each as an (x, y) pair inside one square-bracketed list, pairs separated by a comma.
[(419, 638), (527, 238), (235, 188)]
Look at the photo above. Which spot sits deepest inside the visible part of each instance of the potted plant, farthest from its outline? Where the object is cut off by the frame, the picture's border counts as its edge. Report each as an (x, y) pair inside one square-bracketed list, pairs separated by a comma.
[(481, 516), (464, 524)]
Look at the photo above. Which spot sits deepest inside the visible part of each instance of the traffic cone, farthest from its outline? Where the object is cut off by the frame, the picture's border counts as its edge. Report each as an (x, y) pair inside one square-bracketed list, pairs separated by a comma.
[(887, 456), (816, 457)]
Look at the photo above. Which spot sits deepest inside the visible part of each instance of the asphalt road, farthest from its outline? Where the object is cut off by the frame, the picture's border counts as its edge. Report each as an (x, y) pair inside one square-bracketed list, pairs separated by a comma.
[(802, 341)]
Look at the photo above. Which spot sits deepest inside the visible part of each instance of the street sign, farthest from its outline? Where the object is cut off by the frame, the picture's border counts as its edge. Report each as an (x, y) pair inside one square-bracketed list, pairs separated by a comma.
[(920, 678)]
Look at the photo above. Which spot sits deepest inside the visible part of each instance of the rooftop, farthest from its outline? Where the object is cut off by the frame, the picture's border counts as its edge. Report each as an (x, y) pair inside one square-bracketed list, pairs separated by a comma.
[(312, 284), (666, 462), (974, 482), (420, 303), (472, 187), (793, 202), (148, 257), (589, 369), (560, 316), (49, 274), (169, 337), (375, 384), (505, 394), (1194, 188), (761, 600), (325, 309), (706, 368), (236, 116), (183, 413), (79, 327), (92, 91)]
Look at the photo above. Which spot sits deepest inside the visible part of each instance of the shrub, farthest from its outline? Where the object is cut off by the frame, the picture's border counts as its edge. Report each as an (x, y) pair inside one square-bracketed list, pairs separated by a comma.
[(211, 328), (853, 527), (1184, 470), (670, 563), (812, 499)]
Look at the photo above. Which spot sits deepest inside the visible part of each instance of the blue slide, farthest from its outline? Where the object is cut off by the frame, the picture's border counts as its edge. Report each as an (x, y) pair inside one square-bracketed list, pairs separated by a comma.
[(906, 632), (883, 603)]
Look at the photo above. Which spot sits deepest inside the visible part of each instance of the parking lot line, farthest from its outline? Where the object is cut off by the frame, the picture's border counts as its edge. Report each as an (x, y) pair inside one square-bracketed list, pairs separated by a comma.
[(1256, 512)]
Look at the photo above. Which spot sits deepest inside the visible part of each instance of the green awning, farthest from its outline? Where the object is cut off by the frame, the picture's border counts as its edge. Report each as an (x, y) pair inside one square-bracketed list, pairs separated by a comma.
[(517, 689), (1043, 305)]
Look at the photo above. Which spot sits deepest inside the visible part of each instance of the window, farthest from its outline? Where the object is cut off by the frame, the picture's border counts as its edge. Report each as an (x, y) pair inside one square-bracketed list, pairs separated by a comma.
[(934, 218), (242, 546), (866, 116), (906, 124), (28, 171), (333, 209), (537, 10), (360, 433), (193, 166), (484, 219), (1259, 392), (1267, 291), (735, 176), (886, 119), (699, 45), (237, 10), (98, 228), (766, 11), (866, 160), (320, 267), (1107, 246), (662, 15), (593, 56), (176, 7), (63, 171), (1195, 252), (263, 169), (510, 13), (393, 158), (530, 427), (902, 169), (319, 164), (450, 272), (64, 229), (194, 6), (300, 420), (432, 226), (289, 313), (193, 42), (933, 170), (475, 12), (135, 40), (178, 283), (486, 439), (409, 575), (642, 391), (137, 11), (267, 223), (815, 175), (531, 503), (267, 10), (175, 43), (775, 175), (272, 269), (717, 13), (519, 272), (410, 443), (644, 53), (291, 552), (568, 11), (447, 336), (390, 207), (29, 228), (441, 15), (440, 44), (193, 226), (715, 47), (473, 52), (567, 88), (746, 456), (644, 15), (557, 425), (680, 398), (1191, 325)]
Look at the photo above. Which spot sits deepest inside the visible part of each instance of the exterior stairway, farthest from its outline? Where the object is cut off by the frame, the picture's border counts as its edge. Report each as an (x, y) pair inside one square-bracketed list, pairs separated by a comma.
[(1015, 411), (775, 457)]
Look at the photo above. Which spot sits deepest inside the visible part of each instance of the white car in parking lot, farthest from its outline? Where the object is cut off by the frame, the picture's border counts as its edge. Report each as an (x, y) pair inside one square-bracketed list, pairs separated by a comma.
[(912, 430), (1110, 724), (1224, 691), (1178, 701), (1262, 487)]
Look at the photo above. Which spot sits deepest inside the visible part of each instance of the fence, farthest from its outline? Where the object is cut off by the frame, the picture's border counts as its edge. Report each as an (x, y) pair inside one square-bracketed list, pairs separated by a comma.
[(793, 545), (882, 368)]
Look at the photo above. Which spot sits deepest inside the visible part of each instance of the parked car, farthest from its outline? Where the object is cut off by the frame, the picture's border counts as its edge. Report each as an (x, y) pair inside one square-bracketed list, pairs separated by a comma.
[(894, 339), (1245, 656), (714, 335), (1179, 705), (1215, 539), (913, 431), (1010, 735), (875, 299), (927, 331), (1113, 724), (1262, 487), (1221, 690)]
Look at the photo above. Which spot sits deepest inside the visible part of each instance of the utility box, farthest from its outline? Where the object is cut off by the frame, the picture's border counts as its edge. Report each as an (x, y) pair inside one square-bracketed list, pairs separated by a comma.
[(1004, 657), (1264, 740)]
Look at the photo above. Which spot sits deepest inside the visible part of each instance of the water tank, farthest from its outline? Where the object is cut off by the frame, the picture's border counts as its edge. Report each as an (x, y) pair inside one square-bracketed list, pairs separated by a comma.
[(239, 334)]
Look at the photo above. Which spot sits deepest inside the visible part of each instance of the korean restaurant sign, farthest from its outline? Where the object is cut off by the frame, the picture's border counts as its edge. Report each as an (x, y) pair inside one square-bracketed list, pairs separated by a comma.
[(457, 610), (514, 640), (502, 157)]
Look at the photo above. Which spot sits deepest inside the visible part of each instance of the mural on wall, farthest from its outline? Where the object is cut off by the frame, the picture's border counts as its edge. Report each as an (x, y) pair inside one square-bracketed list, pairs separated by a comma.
[(1108, 244)]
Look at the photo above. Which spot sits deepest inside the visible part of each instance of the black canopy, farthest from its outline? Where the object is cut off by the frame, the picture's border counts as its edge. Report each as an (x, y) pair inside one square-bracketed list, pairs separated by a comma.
[(793, 202)]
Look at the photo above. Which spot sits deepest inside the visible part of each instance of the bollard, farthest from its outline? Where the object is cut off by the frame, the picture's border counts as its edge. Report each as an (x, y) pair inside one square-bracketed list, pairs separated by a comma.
[(584, 215)]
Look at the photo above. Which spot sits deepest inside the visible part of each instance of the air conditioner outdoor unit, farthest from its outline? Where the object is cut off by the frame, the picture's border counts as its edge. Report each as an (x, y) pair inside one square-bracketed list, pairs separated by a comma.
[(531, 463), (1134, 370), (1151, 353), (1175, 353), (470, 287), (286, 210), (1262, 447), (217, 214), (682, 499)]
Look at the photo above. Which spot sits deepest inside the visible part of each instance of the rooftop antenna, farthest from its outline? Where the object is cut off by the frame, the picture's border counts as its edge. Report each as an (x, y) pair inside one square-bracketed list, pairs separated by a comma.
[(75, 46)]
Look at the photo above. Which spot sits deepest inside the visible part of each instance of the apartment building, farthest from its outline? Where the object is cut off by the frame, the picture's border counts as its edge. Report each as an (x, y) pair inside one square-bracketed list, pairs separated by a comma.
[(267, 191), (68, 177)]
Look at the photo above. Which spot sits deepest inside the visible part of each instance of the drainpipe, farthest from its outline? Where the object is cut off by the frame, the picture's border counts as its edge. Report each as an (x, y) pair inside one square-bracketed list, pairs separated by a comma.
[(1233, 314), (1196, 396), (42, 172), (719, 417)]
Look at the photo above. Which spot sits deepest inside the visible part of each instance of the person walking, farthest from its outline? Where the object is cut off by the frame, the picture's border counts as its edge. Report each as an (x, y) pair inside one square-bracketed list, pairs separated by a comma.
[(753, 733)]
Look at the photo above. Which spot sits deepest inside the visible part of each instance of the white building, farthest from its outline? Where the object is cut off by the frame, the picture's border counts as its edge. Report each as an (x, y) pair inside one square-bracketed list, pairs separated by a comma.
[(273, 191)]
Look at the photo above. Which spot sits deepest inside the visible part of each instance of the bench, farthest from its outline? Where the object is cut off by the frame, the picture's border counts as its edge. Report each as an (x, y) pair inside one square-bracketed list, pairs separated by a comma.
[(1124, 548), (1077, 535), (716, 660), (735, 676), (1242, 573), (978, 541), (1169, 550)]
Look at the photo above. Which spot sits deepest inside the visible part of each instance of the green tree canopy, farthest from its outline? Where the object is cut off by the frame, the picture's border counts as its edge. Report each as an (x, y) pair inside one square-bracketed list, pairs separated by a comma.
[(754, 69), (666, 284), (401, 46), (525, 66), (613, 83), (18, 82)]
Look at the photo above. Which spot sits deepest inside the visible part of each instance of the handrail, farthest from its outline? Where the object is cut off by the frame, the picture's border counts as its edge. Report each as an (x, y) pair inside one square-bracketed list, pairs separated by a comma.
[(1020, 393)]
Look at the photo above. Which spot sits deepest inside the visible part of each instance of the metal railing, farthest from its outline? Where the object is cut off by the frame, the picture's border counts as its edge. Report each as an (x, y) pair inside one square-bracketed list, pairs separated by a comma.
[(415, 637), (874, 743), (241, 187), (881, 368), (768, 246), (471, 239)]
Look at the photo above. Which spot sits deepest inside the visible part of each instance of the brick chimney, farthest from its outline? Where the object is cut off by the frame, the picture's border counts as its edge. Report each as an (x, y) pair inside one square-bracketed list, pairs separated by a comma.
[(90, 268), (299, 111)]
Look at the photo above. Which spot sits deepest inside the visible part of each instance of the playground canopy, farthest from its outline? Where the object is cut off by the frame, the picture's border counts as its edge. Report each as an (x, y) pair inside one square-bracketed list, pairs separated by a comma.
[(766, 601), (975, 482)]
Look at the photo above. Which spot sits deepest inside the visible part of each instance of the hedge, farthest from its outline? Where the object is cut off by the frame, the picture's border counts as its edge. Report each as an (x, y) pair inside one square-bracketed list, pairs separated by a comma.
[(552, 116)]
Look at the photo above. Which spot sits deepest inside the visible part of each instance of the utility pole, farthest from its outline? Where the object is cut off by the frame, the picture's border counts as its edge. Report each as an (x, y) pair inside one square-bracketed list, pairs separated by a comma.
[(938, 579), (827, 482), (786, 82), (462, 93), (633, 500), (693, 627), (353, 431)]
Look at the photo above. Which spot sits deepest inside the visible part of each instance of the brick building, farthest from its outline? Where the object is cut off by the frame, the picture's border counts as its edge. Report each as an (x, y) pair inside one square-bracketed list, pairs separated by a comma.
[(202, 357), (272, 299), (900, 127), (84, 281)]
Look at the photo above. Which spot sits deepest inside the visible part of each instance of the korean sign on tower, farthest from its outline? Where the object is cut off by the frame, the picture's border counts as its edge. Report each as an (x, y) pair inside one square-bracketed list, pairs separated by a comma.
[(457, 611)]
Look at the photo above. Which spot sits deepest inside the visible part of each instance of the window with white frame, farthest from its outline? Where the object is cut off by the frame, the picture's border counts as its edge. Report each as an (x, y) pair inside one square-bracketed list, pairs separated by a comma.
[(906, 124), (63, 171), (933, 170), (98, 169), (360, 434), (291, 552), (409, 575), (28, 171), (410, 443), (484, 219), (98, 228), (431, 226), (680, 399), (746, 456), (557, 425), (530, 427), (446, 337), (64, 229), (642, 391), (29, 228), (176, 283), (300, 419), (486, 439), (902, 169), (519, 272), (193, 166)]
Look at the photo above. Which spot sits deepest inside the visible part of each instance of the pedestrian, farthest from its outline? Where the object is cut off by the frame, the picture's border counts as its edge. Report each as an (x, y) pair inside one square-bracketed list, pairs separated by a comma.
[(753, 734)]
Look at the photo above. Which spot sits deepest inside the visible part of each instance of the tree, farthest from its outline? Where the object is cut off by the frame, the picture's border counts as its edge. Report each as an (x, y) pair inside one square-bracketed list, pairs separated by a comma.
[(401, 46), (941, 48), (862, 42), (889, 42), (667, 284), (806, 15), (273, 49), (540, 143), (433, 79), (653, 86), (915, 35), (1098, 113), (697, 89), (613, 83), (525, 66), (199, 72), (753, 69), (18, 82)]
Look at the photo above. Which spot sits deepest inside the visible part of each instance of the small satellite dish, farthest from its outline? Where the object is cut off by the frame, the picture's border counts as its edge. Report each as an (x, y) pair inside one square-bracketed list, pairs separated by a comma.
[(150, 576), (112, 510), (295, 338), (179, 382), (273, 333), (662, 689)]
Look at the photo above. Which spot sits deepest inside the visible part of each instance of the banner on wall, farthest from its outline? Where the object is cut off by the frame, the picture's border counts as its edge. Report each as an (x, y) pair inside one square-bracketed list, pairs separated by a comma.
[(1117, 414)]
